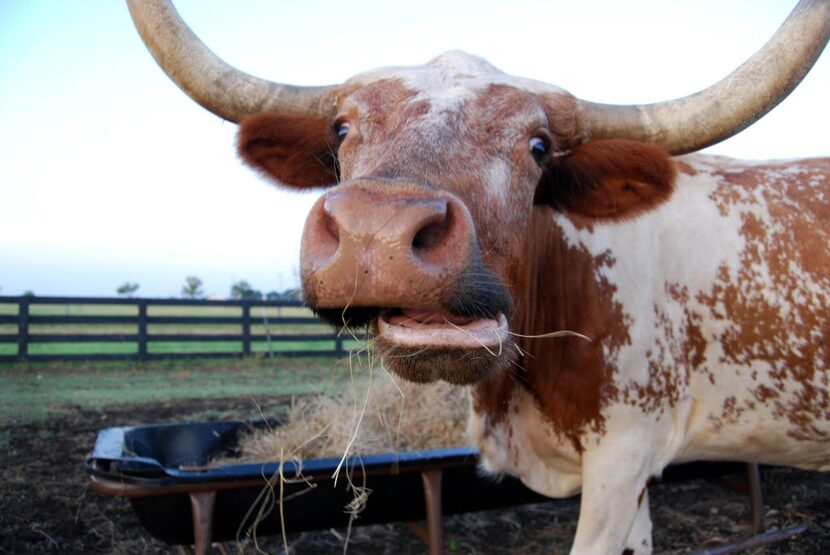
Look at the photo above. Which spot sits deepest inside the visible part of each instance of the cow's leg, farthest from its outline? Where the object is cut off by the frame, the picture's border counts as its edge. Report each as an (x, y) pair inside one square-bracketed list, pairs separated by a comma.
[(613, 514), (639, 538)]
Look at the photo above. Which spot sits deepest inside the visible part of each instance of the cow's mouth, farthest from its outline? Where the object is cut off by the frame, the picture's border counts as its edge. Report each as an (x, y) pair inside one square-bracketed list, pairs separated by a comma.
[(425, 345), (463, 339), (441, 329)]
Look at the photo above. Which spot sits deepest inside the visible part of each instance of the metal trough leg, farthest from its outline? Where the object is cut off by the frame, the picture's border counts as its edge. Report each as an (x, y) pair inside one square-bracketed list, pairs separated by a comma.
[(435, 515), (759, 536), (202, 504), (756, 499)]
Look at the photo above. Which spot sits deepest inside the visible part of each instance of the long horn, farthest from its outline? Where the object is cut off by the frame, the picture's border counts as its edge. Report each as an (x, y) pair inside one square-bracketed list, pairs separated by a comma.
[(730, 105), (224, 90)]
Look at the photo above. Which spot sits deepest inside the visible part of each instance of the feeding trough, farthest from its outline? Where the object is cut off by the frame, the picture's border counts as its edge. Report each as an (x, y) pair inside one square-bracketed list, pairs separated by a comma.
[(180, 498)]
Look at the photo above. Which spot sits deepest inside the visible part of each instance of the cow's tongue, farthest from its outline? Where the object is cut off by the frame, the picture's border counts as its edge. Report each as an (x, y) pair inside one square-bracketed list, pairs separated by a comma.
[(410, 317), (437, 328)]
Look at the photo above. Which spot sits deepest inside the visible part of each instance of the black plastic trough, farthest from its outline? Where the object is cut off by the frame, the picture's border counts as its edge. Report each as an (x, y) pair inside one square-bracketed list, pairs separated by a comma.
[(180, 500)]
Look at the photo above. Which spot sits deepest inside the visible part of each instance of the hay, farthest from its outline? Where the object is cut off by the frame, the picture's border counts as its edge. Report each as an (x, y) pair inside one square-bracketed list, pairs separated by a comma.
[(398, 417)]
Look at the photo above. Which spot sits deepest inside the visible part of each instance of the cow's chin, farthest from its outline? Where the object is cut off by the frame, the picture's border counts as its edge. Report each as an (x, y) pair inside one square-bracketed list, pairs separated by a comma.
[(426, 346)]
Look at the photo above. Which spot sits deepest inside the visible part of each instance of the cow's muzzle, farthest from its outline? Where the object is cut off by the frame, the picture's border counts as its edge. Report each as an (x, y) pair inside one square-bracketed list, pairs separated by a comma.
[(406, 255), (364, 246)]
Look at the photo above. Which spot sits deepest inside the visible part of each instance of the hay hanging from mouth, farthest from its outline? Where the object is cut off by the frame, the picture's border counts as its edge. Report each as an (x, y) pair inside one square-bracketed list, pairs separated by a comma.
[(399, 417)]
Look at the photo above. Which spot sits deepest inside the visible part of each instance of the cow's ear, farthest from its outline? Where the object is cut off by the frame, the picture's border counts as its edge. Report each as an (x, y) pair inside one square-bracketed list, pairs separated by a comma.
[(608, 179), (296, 151)]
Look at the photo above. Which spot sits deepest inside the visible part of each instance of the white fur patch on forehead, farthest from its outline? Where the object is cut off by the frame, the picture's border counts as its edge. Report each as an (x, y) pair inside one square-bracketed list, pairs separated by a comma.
[(452, 78)]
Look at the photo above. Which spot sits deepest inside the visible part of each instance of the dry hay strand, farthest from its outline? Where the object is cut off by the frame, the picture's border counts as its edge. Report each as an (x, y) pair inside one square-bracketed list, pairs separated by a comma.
[(386, 417), (398, 417)]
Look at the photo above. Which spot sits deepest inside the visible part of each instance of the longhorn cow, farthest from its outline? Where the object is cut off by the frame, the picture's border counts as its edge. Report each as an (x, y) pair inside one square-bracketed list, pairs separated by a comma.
[(469, 211)]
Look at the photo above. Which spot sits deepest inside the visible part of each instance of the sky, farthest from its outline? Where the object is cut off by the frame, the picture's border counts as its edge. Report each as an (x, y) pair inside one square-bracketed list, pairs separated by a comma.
[(109, 174)]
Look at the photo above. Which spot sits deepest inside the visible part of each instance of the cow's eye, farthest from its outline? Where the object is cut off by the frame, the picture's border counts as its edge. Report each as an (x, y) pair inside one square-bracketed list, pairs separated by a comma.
[(342, 129), (538, 148)]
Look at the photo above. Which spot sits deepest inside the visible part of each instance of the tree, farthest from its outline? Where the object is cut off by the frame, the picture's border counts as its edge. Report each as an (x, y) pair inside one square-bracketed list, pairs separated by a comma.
[(243, 290), (127, 289), (192, 288), (287, 295), (294, 294)]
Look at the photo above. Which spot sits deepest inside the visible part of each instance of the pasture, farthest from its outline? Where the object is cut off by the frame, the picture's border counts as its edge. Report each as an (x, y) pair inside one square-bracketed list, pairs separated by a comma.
[(31, 392), (51, 412)]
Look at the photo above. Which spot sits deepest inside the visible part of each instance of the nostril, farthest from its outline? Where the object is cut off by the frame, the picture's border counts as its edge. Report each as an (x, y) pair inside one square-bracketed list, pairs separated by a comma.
[(429, 236), (329, 223), (332, 228), (433, 232), (321, 238)]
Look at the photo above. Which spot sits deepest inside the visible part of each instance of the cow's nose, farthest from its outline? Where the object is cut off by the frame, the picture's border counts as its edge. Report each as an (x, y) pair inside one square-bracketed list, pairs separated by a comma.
[(417, 228), (365, 247)]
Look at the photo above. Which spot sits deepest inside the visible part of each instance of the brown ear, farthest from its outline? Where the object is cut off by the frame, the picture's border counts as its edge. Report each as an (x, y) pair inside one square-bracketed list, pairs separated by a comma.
[(297, 151), (609, 179)]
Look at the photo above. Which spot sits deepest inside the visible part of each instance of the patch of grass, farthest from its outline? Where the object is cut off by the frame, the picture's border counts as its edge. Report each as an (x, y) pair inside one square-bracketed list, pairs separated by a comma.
[(281, 312), (185, 310), (81, 348), (276, 329), (288, 346), (30, 391), (71, 329), (353, 345), (194, 347), (49, 309)]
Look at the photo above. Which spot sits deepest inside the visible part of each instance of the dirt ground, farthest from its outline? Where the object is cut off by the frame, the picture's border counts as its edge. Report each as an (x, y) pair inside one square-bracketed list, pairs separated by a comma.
[(45, 506)]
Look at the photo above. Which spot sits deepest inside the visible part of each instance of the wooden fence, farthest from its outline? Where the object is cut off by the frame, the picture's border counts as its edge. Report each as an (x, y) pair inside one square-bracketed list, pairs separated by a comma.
[(66, 328)]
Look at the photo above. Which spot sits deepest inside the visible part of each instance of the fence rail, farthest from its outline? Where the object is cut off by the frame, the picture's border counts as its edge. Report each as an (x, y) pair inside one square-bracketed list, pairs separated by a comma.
[(98, 328)]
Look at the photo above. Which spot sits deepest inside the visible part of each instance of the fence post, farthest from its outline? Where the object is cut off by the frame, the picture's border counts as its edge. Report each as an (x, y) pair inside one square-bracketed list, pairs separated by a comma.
[(23, 328), (142, 329), (338, 345), (246, 328)]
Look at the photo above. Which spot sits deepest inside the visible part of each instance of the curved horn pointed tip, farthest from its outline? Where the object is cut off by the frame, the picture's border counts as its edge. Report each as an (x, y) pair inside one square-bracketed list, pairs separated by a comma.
[(730, 105)]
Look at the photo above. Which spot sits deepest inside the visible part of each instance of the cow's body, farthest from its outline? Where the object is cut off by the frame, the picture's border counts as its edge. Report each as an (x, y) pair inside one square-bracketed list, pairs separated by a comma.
[(702, 284), (711, 316), (471, 214)]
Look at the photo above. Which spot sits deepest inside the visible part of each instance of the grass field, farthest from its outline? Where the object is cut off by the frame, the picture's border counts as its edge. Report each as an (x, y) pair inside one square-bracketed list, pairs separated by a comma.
[(34, 391)]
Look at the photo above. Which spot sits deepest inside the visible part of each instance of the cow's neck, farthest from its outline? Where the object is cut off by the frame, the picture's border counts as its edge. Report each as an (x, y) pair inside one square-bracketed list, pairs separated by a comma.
[(568, 377)]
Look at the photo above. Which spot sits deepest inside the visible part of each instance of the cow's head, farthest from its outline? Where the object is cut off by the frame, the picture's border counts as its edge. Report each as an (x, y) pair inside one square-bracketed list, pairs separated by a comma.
[(433, 173)]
